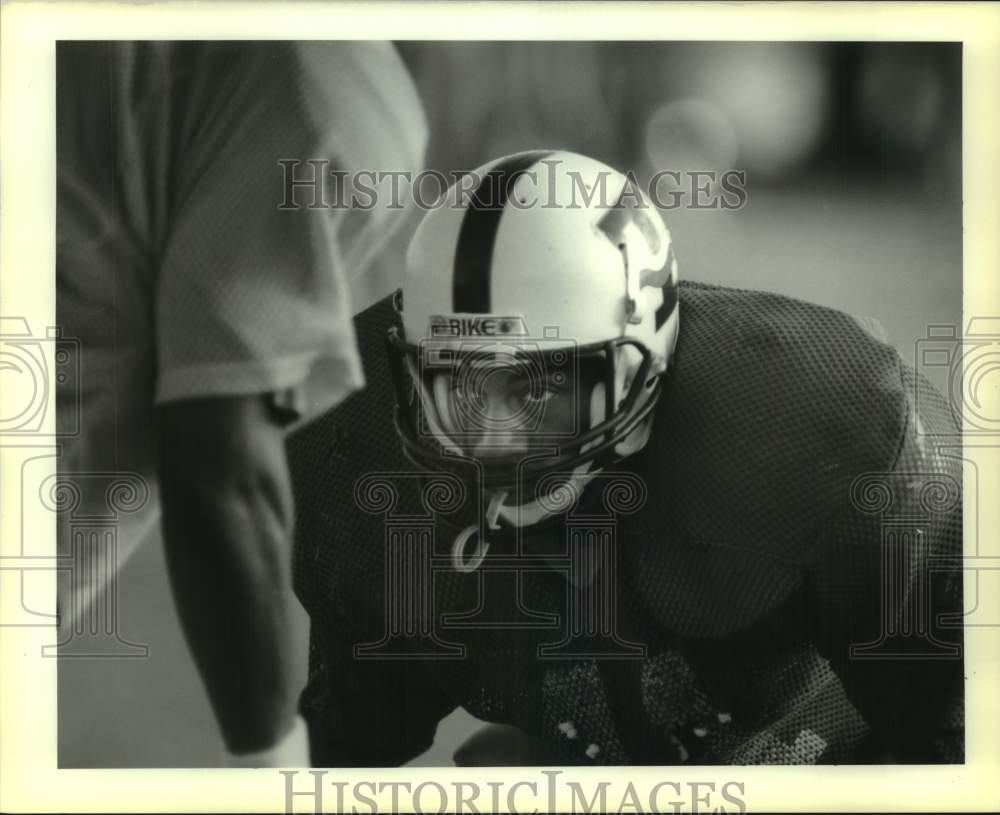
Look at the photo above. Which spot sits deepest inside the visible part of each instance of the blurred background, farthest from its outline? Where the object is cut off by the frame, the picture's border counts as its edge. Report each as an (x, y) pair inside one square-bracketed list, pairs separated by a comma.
[(852, 155)]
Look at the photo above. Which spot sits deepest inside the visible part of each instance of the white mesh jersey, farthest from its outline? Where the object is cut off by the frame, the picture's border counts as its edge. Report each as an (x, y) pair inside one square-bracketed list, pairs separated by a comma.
[(177, 270)]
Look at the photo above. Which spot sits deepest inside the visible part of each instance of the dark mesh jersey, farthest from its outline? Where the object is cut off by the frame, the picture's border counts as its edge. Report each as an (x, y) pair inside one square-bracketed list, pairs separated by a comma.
[(788, 591)]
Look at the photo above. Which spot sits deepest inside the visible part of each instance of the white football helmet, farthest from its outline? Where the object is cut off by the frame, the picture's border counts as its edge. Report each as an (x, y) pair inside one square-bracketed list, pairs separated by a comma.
[(539, 310)]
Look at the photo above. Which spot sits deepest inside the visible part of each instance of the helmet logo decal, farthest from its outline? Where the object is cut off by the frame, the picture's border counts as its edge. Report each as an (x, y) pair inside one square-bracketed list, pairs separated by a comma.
[(613, 225), (474, 252), (621, 215), (669, 291), (476, 325)]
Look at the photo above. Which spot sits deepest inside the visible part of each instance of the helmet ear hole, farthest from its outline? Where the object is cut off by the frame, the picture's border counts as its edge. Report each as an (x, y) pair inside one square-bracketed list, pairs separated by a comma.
[(650, 382)]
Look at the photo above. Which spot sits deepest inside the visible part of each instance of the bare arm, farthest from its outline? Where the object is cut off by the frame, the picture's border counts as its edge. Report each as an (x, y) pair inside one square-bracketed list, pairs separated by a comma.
[(227, 525)]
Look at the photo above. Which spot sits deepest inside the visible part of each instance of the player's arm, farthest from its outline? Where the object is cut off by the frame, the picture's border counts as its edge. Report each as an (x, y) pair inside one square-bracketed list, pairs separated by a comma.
[(227, 524), (365, 711)]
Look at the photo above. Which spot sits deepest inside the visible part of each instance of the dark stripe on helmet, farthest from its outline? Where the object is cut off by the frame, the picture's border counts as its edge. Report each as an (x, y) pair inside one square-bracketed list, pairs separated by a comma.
[(474, 253)]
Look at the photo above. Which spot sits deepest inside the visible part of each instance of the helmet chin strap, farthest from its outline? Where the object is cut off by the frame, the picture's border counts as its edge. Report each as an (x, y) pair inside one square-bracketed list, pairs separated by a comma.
[(534, 512), (458, 559)]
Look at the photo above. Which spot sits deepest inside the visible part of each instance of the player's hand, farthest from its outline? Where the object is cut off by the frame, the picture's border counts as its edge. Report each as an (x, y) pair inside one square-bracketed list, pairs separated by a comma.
[(291, 751)]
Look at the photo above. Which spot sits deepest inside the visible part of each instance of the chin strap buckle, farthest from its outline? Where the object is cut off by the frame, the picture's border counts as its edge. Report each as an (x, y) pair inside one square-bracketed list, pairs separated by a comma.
[(458, 559), (493, 509)]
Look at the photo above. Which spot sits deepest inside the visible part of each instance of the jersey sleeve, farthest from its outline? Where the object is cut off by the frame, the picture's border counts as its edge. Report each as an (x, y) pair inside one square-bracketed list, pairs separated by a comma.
[(888, 598), (365, 711), (252, 289)]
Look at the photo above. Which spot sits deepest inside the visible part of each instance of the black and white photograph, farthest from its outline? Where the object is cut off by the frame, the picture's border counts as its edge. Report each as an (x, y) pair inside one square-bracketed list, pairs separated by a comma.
[(636, 467), (511, 402)]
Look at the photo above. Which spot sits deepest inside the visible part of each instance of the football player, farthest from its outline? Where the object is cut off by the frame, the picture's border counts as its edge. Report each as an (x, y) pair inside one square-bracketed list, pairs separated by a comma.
[(624, 520)]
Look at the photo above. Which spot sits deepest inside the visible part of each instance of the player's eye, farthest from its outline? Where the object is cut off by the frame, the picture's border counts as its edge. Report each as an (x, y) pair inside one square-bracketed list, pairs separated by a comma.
[(540, 395), (535, 393)]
